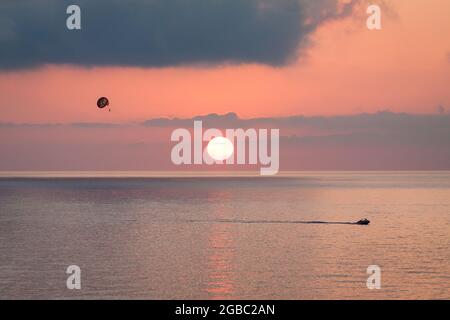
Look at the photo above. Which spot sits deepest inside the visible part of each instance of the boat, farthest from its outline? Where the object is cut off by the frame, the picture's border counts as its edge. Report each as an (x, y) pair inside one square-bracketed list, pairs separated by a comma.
[(363, 221)]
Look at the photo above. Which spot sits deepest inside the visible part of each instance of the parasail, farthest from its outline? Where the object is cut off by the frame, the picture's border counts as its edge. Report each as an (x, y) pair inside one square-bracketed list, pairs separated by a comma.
[(102, 102)]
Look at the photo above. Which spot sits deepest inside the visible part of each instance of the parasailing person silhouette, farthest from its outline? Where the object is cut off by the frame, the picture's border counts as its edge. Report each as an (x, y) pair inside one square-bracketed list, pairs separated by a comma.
[(102, 103)]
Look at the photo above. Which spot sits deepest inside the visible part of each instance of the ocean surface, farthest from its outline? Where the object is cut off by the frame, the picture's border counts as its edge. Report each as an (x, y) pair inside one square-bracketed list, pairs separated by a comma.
[(226, 237)]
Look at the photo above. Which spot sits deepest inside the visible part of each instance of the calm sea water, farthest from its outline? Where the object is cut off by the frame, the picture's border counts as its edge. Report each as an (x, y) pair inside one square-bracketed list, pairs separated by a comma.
[(219, 237)]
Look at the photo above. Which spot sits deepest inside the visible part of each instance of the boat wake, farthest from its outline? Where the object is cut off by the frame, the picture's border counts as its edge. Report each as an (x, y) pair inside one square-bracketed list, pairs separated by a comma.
[(359, 222)]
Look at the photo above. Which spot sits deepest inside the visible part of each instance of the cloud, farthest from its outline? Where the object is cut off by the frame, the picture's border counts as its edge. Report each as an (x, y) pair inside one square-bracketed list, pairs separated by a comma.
[(382, 120), (159, 33), (95, 125), (28, 125), (212, 119), (384, 127), (381, 128), (85, 125)]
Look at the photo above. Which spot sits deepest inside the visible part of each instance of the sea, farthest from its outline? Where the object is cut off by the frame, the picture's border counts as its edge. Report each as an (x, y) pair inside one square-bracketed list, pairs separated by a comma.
[(225, 236)]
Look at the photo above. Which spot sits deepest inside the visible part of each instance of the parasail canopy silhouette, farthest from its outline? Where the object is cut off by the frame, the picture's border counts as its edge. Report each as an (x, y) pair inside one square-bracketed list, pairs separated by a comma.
[(102, 103)]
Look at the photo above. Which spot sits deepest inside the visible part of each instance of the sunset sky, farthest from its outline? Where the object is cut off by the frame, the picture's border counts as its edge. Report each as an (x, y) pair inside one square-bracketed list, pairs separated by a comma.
[(255, 58)]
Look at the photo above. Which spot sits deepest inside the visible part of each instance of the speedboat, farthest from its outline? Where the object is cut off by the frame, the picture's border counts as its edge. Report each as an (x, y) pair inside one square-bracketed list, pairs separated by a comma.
[(363, 221)]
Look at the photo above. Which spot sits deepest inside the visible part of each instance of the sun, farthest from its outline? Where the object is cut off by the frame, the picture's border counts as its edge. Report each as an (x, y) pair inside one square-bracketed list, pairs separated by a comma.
[(220, 148)]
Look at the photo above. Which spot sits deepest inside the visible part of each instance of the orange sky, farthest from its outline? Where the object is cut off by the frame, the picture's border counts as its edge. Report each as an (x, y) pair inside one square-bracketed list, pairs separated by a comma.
[(348, 69)]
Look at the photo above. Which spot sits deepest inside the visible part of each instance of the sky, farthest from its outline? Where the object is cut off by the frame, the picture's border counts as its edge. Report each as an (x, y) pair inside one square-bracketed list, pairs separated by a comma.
[(276, 60)]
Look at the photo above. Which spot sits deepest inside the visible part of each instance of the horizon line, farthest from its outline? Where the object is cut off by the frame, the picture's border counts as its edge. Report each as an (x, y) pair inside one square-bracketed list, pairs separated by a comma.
[(190, 174)]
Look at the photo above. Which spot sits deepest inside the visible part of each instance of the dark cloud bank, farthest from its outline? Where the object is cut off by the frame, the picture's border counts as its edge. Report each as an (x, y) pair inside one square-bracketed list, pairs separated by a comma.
[(158, 33)]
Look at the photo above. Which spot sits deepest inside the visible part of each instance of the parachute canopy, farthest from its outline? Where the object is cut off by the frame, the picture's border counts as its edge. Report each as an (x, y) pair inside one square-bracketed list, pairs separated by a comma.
[(102, 102)]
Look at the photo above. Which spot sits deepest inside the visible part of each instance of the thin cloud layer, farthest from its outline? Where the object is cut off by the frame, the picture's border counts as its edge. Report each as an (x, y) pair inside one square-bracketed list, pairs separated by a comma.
[(378, 141), (159, 33), (379, 121), (381, 128), (385, 125)]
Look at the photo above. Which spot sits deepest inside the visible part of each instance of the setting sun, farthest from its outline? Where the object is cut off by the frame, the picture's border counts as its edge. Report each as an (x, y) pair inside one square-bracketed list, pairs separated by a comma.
[(220, 148)]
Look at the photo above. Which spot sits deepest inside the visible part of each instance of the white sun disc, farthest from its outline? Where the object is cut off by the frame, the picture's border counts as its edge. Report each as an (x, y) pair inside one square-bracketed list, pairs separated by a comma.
[(220, 148)]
